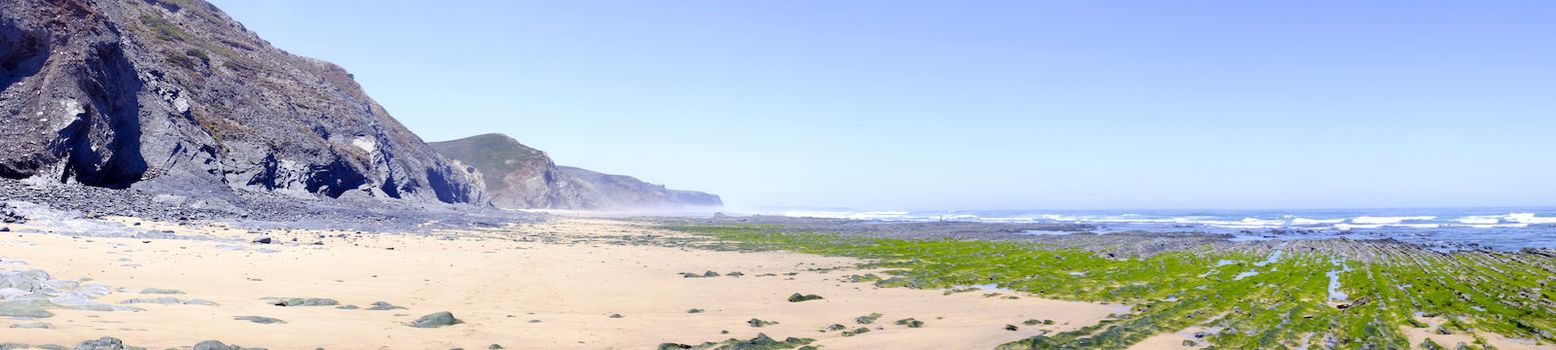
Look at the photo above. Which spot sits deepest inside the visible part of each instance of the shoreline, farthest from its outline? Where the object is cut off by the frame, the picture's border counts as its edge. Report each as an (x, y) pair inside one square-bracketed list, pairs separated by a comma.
[(629, 282)]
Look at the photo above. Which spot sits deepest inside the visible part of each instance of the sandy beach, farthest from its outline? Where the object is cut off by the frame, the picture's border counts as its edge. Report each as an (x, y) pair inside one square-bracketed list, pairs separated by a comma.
[(550, 285)]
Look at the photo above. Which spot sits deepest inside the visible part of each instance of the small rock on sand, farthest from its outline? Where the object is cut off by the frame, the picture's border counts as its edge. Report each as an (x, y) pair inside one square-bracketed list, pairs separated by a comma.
[(436, 319), (797, 297), (383, 306), (216, 345), (259, 319), (104, 343), (36, 325), (168, 301), (302, 301), (25, 308)]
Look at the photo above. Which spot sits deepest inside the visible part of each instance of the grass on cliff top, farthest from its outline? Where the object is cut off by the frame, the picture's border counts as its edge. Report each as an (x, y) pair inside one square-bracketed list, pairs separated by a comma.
[(1285, 300), (495, 155)]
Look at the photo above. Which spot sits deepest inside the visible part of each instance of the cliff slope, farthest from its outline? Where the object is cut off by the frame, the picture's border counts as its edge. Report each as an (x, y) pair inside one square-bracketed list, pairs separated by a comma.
[(521, 177), (174, 96)]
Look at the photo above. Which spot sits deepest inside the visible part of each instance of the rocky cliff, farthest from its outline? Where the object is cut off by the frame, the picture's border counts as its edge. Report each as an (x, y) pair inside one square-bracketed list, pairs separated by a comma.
[(175, 96), (520, 177), (626, 192)]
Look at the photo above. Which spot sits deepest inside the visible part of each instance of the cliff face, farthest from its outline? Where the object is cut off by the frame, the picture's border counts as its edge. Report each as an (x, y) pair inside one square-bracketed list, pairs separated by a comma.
[(175, 96), (520, 177), (621, 191)]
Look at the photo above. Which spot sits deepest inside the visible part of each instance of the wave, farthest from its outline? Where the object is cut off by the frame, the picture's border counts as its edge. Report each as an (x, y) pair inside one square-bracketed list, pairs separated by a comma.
[(1529, 218), (1498, 226), (1315, 222), (855, 215), (1480, 220), (1386, 220)]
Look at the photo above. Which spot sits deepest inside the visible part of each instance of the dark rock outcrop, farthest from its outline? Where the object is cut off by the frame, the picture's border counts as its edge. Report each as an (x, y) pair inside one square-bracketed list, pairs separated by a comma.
[(175, 97), (521, 177)]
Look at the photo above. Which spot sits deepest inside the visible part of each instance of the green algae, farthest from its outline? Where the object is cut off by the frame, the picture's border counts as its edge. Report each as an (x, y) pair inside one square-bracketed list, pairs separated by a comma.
[(1308, 298)]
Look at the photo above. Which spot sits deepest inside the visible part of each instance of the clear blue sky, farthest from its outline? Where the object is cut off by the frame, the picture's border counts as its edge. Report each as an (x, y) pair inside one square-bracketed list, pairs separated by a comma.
[(979, 104)]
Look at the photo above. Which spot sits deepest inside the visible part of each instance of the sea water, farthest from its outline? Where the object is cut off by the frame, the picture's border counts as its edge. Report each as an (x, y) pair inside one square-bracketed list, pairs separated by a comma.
[(1496, 228)]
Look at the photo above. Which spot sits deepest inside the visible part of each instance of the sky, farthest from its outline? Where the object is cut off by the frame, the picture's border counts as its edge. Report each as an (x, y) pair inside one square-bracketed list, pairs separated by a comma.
[(924, 105)]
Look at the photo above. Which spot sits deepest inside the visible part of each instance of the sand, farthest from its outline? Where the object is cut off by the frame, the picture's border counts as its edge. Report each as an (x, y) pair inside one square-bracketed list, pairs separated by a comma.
[(553, 285)]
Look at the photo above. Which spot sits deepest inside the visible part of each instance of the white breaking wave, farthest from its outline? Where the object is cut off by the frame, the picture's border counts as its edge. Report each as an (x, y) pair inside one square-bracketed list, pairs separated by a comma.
[(1529, 218), (1348, 227), (1480, 220), (1005, 220), (1312, 222), (1389, 220), (1499, 226), (855, 215)]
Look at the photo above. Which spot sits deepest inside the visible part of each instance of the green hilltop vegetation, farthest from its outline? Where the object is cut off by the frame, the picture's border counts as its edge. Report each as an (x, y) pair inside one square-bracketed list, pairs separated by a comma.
[(1301, 296), (495, 154)]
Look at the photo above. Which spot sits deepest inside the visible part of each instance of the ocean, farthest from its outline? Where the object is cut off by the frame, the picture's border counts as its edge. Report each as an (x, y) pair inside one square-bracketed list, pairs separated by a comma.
[(1496, 228)]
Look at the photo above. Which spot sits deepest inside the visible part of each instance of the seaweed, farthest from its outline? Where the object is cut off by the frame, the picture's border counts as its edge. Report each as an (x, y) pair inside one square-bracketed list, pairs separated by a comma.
[(1359, 293)]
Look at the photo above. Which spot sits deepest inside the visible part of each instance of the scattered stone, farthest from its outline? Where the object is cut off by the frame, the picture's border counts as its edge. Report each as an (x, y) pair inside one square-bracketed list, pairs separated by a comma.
[(694, 311), (217, 345), (494, 347), (160, 291), (33, 308), (347, 307), (168, 301), (761, 342), (105, 343), (263, 240), (383, 306), (758, 323), (797, 297), (869, 277), (435, 320), (615, 315), (35, 325), (301, 301), (259, 319), (29, 293), (1012, 328), (703, 275)]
